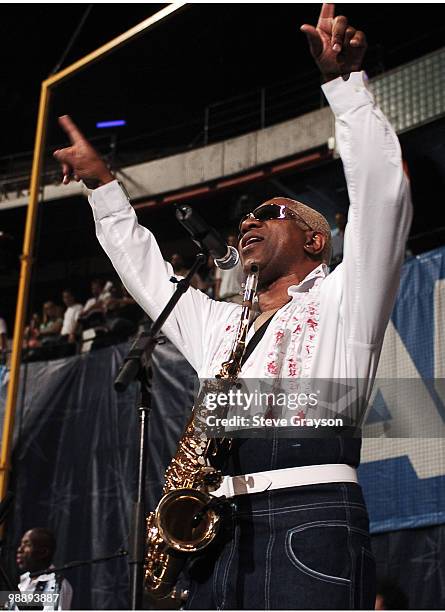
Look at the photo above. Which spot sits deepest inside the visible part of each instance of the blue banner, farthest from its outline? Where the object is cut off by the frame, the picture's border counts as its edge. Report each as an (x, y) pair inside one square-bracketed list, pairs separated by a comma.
[(404, 477)]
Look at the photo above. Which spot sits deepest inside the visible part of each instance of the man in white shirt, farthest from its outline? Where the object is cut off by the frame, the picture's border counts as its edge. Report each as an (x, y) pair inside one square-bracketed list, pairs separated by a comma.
[(100, 292), (298, 535), (71, 316), (35, 553)]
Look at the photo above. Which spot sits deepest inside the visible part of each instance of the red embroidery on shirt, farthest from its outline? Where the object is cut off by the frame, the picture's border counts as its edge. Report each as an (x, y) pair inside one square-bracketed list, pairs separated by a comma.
[(292, 368), (278, 336), (272, 367)]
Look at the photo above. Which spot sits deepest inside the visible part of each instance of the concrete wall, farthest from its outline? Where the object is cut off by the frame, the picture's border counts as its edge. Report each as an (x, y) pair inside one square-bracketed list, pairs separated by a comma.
[(212, 162), (409, 95)]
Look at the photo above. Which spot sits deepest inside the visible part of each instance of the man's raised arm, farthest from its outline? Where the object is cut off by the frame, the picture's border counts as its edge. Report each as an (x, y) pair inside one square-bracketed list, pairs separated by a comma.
[(380, 204), (135, 253)]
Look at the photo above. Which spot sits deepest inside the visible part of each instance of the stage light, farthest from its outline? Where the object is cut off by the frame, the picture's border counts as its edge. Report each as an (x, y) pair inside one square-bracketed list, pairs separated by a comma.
[(108, 124)]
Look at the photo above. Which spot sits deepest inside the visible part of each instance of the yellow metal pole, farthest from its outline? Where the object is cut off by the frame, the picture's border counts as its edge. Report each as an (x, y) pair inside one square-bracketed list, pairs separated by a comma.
[(28, 243), (114, 43), (22, 296)]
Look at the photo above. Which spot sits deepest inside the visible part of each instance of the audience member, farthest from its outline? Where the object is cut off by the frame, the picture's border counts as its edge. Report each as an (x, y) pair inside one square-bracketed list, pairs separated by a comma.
[(123, 314), (71, 316), (51, 325), (35, 553), (32, 331), (42, 336), (228, 283), (178, 264), (93, 312), (180, 269), (3, 340), (206, 278), (338, 237), (119, 300)]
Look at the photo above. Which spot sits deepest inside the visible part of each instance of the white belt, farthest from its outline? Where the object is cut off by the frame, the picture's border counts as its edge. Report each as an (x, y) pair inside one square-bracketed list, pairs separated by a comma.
[(288, 477)]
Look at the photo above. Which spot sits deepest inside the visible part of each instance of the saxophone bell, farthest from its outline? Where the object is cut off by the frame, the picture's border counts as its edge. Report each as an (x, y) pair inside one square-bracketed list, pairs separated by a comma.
[(175, 519), (173, 534)]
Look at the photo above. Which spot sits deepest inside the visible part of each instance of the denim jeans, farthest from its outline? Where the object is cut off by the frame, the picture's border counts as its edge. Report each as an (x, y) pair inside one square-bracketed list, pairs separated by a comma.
[(301, 548)]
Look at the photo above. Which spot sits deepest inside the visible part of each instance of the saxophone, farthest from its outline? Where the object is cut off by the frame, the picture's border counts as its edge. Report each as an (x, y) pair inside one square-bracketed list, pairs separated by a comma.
[(185, 521)]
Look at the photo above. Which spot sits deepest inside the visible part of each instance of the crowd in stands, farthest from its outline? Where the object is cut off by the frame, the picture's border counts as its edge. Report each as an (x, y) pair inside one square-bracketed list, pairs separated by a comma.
[(110, 315)]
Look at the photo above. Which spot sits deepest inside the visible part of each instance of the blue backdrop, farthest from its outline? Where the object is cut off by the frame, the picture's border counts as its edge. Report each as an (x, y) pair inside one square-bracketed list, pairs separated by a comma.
[(403, 474)]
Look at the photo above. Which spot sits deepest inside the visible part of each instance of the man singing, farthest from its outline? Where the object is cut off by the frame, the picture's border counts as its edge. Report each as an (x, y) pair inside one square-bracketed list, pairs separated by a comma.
[(298, 536)]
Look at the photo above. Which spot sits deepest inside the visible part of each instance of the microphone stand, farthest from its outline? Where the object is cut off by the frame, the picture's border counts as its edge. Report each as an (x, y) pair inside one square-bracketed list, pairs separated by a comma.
[(136, 366)]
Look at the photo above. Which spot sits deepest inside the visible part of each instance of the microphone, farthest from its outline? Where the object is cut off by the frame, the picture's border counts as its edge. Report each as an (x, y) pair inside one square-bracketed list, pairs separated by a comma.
[(226, 257)]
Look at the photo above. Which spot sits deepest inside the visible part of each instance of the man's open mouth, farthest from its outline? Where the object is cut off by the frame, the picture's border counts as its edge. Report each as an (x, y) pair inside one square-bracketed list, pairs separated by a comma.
[(250, 239)]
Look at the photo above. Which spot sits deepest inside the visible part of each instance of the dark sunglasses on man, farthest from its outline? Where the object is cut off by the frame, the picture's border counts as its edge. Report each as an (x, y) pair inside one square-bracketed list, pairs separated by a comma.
[(272, 212)]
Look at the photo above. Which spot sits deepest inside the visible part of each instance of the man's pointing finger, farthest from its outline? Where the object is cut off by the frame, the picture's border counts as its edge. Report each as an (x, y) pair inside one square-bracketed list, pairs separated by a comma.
[(327, 12), (71, 129)]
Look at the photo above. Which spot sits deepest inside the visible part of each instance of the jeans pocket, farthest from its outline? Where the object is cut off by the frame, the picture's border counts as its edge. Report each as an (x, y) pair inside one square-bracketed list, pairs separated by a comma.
[(320, 549)]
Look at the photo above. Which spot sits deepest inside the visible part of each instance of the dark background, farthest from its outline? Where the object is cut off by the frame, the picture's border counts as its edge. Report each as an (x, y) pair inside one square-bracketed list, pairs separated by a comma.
[(205, 54)]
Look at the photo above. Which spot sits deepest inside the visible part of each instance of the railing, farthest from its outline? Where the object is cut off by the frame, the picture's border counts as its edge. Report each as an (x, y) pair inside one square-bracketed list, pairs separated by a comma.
[(409, 95), (260, 108), (15, 169)]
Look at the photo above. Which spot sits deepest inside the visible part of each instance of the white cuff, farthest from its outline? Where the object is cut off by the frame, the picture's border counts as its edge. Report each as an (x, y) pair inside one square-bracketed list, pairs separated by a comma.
[(108, 199), (348, 95)]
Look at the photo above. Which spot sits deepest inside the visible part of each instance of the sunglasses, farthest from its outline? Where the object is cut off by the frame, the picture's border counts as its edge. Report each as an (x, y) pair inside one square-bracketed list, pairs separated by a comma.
[(272, 212)]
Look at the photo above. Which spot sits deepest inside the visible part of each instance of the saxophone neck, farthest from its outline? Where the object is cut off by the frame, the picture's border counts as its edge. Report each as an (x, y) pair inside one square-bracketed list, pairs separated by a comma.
[(248, 300), (250, 288), (232, 367)]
